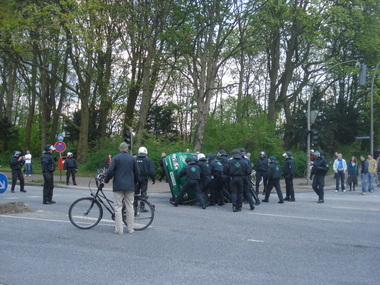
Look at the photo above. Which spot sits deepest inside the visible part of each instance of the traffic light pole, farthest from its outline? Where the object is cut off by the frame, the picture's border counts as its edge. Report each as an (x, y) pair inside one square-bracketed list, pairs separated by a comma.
[(308, 116)]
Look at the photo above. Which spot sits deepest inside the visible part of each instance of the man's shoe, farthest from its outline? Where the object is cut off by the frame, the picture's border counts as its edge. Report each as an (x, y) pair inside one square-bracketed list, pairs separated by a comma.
[(252, 207), (173, 203), (74, 184), (52, 202), (204, 206), (292, 200), (344, 190), (287, 199), (47, 202), (320, 201), (281, 202), (23, 191), (67, 183), (221, 204), (257, 203), (234, 208), (12, 191), (364, 193), (265, 201), (336, 190)]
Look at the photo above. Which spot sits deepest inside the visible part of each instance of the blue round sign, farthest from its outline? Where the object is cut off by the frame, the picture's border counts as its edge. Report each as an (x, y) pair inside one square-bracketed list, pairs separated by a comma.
[(3, 183)]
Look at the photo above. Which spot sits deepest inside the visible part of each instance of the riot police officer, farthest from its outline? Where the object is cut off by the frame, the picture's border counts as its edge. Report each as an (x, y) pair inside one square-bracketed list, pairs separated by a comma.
[(48, 167), (262, 172), (223, 159), (236, 168), (147, 169), (70, 166), (288, 173), (247, 185), (206, 177), (274, 174), (192, 174), (16, 162), (319, 170)]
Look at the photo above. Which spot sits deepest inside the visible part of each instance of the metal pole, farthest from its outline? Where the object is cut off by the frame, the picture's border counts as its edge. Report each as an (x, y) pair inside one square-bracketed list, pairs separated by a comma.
[(308, 116), (372, 132)]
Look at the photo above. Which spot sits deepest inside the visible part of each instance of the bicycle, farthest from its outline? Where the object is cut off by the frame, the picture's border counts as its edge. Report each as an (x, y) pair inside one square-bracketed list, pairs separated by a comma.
[(86, 212)]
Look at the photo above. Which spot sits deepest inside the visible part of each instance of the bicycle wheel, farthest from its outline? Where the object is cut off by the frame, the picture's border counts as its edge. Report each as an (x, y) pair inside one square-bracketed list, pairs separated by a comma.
[(85, 213), (144, 214)]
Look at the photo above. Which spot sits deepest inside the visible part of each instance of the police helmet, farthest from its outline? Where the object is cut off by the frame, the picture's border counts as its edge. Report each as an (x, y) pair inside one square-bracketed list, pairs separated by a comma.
[(222, 152), (201, 156), (69, 153), (49, 147), (287, 154), (272, 158), (189, 159), (263, 153), (317, 153), (236, 151), (143, 150), (17, 152)]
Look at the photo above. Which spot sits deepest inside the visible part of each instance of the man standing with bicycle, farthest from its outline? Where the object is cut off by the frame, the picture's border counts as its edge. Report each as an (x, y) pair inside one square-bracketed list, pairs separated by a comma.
[(125, 173)]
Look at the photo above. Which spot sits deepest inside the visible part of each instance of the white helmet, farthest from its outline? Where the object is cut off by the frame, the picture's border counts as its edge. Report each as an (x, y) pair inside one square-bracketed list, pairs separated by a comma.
[(69, 153), (201, 156), (143, 150)]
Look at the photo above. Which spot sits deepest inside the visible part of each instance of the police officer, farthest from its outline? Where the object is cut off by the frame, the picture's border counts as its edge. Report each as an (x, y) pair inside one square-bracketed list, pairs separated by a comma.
[(288, 173), (236, 168), (216, 168), (206, 177), (48, 168), (192, 174), (147, 169), (274, 174), (319, 171), (247, 188), (223, 159), (262, 171), (16, 162), (70, 166)]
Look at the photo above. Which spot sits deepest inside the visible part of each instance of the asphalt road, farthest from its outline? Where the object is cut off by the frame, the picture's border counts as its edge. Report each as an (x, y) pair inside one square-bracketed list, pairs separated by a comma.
[(294, 243)]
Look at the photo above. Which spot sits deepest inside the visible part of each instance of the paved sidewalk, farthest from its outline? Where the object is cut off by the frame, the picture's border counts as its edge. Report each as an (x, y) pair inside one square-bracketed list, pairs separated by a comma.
[(159, 187)]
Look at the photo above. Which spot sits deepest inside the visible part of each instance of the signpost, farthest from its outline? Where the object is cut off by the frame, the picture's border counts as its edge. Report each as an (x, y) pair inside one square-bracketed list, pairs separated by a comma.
[(60, 146), (3, 183)]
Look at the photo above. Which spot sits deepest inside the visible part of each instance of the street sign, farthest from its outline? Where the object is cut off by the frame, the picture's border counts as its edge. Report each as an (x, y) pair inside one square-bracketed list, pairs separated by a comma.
[(3, 183), (363, 138), (60, 146), (61, 137)]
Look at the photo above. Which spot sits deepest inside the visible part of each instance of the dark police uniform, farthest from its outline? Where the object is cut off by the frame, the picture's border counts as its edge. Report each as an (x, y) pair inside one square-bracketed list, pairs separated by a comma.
[(206, 177), (261, 172), (274, 174), (217, 196), (16, 163), (288, 173), (319, 170), (48, 167), (192, 174), (147, 169), (70, 166), (223, 159), (236, 169)]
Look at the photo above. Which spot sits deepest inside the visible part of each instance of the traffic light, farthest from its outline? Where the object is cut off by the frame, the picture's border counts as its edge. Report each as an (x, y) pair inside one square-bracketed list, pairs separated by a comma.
[(128, 139), (314, 138)]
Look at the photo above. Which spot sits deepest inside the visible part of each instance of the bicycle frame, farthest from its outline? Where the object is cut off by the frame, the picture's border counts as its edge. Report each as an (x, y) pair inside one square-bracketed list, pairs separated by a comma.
[(99, 195)]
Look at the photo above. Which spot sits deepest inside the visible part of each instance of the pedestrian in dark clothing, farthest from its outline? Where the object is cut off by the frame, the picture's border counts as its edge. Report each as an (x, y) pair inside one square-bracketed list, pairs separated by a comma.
[(319, 170), (364, 174), (236, 169), (147, 170), (274, 174), (16, 162), (70, 166), (48, 165), (262, 172), (162, 166), (352, 173), (192, 174), (288, 173), (125, 173)]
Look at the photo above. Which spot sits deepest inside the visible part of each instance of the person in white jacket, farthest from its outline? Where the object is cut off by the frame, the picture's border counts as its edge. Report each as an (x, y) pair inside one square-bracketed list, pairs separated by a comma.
[(340, 168)]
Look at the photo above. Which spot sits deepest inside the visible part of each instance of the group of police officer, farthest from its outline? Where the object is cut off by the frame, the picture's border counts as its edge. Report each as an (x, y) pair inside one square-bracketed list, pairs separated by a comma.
[(220, 179)]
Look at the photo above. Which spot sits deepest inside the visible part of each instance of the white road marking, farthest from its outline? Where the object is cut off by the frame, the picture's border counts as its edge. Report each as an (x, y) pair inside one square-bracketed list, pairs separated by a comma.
[(254, 240)]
